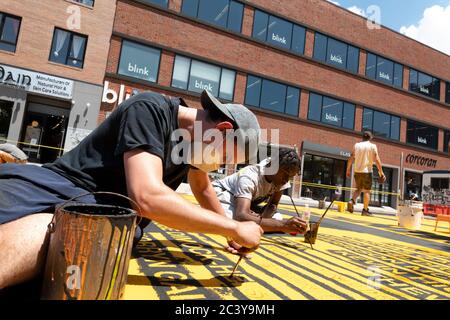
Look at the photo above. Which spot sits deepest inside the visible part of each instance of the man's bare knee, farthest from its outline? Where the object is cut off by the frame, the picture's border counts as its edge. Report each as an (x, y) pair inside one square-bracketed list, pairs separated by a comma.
[(24, 246)]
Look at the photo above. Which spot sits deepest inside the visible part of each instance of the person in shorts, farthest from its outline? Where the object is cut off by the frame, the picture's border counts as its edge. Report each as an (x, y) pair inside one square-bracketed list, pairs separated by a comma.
[(364, 155)]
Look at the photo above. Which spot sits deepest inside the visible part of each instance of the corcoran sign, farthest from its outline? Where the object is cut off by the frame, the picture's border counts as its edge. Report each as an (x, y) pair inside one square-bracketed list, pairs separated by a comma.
[(421, 161), (36, 82)]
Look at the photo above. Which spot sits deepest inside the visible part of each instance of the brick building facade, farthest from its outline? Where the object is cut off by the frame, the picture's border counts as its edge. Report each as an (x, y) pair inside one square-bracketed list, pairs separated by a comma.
[(326, 57), (52, 60)]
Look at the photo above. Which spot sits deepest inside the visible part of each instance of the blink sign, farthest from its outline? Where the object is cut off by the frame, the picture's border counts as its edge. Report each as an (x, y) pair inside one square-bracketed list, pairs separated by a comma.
[(336, 58), (36, 82), (139, 61)]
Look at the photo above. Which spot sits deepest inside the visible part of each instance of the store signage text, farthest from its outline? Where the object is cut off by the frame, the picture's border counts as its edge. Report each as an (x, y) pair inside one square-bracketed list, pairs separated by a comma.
[(36, 82), (111, 96), (203, 86), (135, 69), (276, 37), (336, 58), (385, 76), (424, 90), (331, 117), (422, 140), (421, 161)]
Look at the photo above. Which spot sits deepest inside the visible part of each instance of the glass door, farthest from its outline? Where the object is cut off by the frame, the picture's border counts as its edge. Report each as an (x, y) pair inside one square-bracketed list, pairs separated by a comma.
[(43, 132)]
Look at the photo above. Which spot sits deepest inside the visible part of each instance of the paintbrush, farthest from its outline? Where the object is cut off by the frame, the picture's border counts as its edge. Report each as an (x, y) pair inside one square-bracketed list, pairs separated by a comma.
[(240, 258)]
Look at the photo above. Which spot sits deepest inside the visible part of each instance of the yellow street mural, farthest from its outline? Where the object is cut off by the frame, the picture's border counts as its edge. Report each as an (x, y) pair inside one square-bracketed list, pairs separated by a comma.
[(354, 258)]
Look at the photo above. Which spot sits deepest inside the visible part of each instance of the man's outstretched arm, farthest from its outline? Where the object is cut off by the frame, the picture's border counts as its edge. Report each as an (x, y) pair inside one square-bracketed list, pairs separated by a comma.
[(243, 213), (144, 176), (204, 192)]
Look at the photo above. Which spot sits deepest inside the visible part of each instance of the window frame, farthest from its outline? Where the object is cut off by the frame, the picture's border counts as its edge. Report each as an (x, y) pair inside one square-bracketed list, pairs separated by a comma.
[(447, 92), (287, 86), (346, 68), (2, 25), (71, 34), (321, 111), (446, 148), (293, 24), (142, 44), (84, 4), (213, 24), (418, 144), (390, 123), (189, 76), (433, 79), (394, 64)]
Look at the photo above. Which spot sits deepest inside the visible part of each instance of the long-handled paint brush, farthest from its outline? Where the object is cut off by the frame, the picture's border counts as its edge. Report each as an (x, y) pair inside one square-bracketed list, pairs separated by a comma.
[(240, 258)]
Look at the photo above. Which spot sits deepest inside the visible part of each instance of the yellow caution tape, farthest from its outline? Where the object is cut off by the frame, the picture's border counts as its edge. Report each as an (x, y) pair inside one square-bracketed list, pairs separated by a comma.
[(30, 144)]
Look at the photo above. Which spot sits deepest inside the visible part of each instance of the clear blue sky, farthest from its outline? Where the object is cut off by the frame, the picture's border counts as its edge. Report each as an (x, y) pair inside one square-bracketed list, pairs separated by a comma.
[(396, 13)]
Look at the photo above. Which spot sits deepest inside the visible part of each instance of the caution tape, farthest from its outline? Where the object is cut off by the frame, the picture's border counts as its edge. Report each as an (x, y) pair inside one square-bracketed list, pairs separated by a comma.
[(324, 186), (30, 144)]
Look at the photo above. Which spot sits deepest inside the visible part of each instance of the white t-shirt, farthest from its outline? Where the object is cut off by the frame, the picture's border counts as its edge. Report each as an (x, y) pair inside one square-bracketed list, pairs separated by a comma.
[(365, 153), (250, 183)]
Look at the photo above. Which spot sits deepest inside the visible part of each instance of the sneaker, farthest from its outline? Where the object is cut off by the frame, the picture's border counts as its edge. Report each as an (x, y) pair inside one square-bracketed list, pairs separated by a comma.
[(350, 206), (366, 213)]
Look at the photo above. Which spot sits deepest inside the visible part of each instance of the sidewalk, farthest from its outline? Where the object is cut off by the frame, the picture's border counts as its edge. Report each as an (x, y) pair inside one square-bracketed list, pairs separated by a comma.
[(184, 188)]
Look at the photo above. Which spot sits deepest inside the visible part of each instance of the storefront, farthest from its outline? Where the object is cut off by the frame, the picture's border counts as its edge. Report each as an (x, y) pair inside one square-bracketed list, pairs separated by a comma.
[(45, 115), (324, 167)]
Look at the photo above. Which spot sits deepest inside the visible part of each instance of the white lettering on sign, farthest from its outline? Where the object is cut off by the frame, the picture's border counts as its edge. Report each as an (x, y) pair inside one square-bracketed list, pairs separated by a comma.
[(424, 90), (36, 82), (276, 37), (385, 76), (336, 58), (111, 96), (203, 86), (331, 117), (135, 69), (422, 140)]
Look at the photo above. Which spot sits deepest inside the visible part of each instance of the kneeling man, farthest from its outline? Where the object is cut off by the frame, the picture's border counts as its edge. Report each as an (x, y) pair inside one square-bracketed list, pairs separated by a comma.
[(242, 192)]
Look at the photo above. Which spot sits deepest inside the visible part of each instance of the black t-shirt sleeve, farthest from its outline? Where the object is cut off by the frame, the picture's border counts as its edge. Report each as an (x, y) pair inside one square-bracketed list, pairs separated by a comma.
[(142, 126)]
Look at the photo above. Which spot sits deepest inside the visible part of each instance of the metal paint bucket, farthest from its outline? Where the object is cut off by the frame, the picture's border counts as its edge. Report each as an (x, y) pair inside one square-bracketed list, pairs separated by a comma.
[(89, 252)]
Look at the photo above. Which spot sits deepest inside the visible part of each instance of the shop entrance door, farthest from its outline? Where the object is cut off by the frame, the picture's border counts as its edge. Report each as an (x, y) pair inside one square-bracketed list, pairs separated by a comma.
[(43, 132), (377, 198), (6, 108), (323, 172)]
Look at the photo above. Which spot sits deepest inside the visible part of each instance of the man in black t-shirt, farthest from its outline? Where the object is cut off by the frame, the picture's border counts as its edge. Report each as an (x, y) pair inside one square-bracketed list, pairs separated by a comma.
[(143, 150)]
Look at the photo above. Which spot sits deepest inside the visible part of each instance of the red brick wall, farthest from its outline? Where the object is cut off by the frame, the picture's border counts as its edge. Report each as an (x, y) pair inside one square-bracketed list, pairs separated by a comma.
[(36, 34), (341, 23), (225, 48)]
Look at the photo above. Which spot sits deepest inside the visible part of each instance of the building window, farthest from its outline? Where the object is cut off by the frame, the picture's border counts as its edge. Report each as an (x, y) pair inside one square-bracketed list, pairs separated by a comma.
[(68, 48), (223, 13), (9, 32), (336, 53), (161, 3), (439, 184), (447, 142), (139, 61), (89, 3), (422, 135), (196, 76), (279, 32), (331, 111), (381, 124), (384, 70), (424, 84), (273, 96), (447, 92)]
